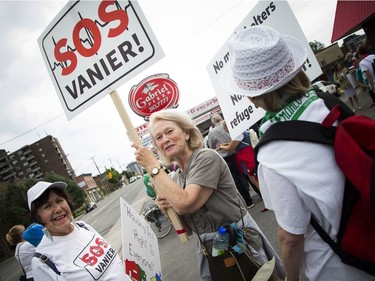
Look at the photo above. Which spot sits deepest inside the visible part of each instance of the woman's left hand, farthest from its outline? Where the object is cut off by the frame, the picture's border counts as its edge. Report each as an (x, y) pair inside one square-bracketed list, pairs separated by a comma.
[(223, 146), (162, 203), (145, 157)]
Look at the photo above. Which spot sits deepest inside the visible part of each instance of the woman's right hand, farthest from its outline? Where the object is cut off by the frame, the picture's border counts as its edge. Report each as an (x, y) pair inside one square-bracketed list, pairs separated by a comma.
[(145, 157)]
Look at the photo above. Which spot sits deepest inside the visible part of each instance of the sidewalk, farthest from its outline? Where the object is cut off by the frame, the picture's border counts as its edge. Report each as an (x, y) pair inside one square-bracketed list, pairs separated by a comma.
[(365, 102)]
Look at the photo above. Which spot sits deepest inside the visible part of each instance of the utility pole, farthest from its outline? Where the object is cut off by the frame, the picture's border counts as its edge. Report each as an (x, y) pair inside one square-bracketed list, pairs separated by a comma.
[(118, 161), (110, 160), (92, 158)]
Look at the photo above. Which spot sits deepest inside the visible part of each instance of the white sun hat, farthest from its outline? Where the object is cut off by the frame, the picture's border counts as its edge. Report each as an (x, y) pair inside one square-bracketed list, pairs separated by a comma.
[(262, 60), (37, 190)]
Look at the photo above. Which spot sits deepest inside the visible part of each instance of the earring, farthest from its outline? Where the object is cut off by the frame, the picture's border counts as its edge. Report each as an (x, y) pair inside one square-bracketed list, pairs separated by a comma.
[(47, 233)]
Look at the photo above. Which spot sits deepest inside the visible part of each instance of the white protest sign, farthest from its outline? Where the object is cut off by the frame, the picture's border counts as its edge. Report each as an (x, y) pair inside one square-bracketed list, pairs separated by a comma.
[(140, 249), (238, 111), (92, 47)]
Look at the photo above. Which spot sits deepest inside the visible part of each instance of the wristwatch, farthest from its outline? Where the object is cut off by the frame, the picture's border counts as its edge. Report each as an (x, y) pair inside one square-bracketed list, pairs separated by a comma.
[(155, 170)]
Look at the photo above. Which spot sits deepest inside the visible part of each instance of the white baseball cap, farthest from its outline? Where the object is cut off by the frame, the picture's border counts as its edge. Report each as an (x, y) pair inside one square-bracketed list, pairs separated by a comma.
[(38, 189)]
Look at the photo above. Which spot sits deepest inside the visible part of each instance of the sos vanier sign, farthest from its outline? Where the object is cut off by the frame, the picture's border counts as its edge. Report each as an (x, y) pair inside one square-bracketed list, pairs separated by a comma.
[(93, 47)]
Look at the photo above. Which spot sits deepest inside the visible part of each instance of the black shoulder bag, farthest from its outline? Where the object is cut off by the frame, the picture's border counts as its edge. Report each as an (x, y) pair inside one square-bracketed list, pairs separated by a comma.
[(231, 266)]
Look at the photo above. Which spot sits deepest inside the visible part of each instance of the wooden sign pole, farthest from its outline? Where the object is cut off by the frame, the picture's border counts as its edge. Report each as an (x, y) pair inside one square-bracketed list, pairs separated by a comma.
[(175, 219)]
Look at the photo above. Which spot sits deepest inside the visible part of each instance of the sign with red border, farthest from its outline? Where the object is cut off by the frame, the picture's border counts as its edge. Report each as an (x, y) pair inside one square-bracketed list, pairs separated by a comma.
[(152, 94)]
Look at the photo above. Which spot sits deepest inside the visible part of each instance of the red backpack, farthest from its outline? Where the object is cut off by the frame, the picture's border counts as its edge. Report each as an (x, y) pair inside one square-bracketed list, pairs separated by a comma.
[(354, 146)]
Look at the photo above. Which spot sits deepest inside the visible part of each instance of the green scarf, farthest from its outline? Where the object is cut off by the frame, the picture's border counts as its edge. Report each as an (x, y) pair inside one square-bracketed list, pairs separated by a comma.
[(292, 111)]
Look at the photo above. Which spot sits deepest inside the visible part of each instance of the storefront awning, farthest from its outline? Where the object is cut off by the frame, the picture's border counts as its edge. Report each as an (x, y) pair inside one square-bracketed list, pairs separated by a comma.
[(350, 15)]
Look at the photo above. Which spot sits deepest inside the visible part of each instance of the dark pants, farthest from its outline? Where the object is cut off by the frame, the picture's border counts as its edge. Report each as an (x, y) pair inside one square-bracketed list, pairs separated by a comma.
[(240, 180)]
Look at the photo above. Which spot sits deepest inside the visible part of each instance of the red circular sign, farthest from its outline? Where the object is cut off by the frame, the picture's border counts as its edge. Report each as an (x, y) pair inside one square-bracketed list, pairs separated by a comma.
[(152, 94)]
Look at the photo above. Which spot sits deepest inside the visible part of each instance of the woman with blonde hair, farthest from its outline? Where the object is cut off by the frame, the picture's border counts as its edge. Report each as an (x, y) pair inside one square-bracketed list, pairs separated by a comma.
[(24, 251), (341, 76), (202, 191)]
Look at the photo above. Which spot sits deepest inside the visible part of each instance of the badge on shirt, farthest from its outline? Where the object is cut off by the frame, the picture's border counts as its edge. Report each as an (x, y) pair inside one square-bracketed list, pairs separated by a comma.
[(96, 257)]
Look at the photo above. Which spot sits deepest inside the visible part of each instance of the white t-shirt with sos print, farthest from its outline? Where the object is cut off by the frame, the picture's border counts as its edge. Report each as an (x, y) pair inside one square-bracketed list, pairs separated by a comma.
[(82, 255)]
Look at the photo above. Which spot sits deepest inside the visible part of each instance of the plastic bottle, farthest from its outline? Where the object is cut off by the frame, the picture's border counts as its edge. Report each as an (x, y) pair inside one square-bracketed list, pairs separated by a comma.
[(220, 242)]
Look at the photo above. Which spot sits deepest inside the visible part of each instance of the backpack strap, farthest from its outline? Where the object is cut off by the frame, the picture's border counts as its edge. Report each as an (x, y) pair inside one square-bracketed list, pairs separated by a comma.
[(324, 235), (298, 130), (47, 261), (82, 225), (331, 101)]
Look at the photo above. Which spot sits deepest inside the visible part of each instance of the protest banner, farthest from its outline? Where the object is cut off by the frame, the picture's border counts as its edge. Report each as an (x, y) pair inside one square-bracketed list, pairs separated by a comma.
[(140, 249), (240, 114), (92, 47)]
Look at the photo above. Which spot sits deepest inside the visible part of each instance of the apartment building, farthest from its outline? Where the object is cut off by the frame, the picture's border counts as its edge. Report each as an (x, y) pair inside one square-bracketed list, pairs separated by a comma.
[(33, 161), (6, 171)]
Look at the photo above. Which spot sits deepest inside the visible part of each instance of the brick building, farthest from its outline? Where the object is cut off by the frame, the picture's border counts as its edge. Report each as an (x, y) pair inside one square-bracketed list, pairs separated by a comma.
[(6, 171), (88, 184), (33, 161)]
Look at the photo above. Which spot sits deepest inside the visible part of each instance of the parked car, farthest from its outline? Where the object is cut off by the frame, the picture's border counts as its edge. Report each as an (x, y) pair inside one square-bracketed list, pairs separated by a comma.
[(132, 179), (90, 206), (327, 87)]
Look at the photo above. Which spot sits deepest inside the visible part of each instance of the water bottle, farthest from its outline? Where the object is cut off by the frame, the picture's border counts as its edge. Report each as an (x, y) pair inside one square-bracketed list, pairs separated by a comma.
[(220, 242)]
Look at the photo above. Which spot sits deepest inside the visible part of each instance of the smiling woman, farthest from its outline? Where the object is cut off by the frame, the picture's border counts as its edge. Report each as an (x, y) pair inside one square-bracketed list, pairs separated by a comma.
[(89, 256), (201, 191)]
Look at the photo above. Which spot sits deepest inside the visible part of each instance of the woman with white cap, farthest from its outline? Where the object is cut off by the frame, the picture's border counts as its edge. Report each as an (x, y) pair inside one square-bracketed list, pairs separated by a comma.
[(69, 250), (296, 178)]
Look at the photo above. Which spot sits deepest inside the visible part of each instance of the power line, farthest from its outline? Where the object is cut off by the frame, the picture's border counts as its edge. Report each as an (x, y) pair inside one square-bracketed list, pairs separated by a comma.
[(219, 17), (31, 129)]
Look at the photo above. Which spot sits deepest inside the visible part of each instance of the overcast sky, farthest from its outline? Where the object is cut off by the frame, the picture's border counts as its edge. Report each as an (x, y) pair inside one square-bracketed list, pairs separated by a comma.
[(189, 32)]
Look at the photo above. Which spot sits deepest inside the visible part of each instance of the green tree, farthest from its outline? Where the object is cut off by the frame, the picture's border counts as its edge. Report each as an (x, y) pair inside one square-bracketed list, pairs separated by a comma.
[(113, 176), (316, 46), (13, 210)]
